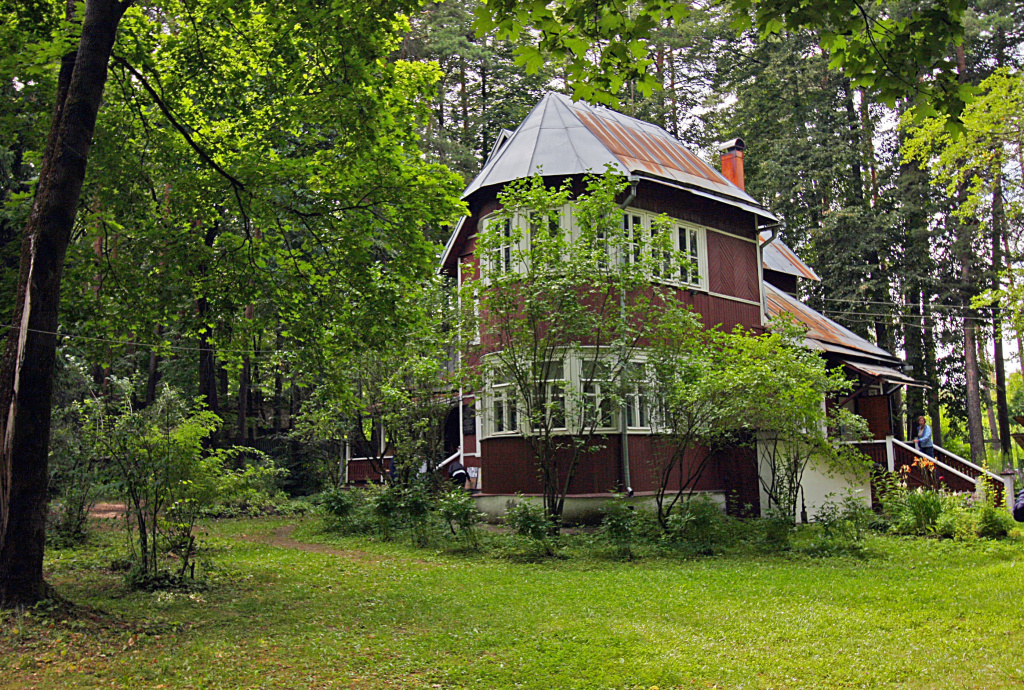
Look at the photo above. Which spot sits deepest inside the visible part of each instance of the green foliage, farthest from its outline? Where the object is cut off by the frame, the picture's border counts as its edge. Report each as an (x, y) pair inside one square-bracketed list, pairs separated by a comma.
[(604, 48), (384, 502), (416, 504), (941, 513), (844, 520), (620, 526), (251, 490), (793, 425), (776, 531), (699, 526), (77, 475), (530, 521), (165, 478), (458, 509)]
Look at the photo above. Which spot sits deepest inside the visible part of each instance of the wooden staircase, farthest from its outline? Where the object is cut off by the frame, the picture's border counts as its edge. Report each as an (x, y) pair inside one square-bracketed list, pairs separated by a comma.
[(951, 471)]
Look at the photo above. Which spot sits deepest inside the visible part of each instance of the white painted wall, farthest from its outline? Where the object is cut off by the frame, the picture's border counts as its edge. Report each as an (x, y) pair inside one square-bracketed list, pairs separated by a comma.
[(818, 483)]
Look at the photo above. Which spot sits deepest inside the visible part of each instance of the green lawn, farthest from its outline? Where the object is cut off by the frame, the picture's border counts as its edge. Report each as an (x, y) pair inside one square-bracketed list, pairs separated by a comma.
[(917, 613)]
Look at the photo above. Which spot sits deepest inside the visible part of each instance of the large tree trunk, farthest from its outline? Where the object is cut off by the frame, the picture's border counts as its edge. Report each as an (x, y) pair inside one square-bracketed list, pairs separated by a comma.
[(975, 428), (932, 377), (1002, 408), (27, 379)]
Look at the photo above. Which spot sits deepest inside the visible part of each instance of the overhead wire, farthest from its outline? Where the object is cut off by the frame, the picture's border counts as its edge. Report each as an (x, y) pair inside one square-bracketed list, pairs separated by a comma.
[(142, 345)]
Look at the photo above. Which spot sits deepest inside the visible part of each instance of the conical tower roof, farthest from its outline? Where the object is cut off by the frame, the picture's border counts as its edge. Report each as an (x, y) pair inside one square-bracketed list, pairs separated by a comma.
[(560, 137)]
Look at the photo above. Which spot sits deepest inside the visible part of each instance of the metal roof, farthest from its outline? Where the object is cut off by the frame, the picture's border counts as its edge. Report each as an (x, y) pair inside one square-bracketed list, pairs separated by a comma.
[(779, 257), (876, 371), (824, 333), (560, 137)]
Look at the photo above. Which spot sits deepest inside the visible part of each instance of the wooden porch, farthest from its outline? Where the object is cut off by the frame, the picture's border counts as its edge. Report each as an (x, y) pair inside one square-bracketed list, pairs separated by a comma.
[(951, 471)]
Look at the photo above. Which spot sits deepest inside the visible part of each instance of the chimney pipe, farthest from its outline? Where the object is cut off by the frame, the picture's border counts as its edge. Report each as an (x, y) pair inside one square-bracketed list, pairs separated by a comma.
[(732, 161)]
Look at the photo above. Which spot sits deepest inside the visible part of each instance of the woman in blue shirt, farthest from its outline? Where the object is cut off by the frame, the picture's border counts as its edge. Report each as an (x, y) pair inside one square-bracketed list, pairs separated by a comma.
[(924, 438)]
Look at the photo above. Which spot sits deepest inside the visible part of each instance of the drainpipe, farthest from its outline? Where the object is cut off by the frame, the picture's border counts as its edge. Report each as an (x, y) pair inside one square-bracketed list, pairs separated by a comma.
[(624, 443), (774, 227)]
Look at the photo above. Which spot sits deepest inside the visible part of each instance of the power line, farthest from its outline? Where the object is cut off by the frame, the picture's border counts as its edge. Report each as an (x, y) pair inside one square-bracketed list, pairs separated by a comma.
[(140, 345), (906, 318), (948, 307)]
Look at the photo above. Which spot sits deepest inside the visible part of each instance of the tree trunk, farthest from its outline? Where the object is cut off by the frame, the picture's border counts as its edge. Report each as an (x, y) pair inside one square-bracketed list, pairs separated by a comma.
[(207, 359), (1002, 407), (26, 385), (932, 378), (243, 400), (154, 375), (974, 425)]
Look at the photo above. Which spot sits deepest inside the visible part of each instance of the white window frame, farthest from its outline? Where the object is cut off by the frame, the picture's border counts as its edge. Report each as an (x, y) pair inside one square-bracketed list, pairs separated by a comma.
[(693, 233), (669, 275), (638, 403), (569, 384), (502, 396), (596, 397)]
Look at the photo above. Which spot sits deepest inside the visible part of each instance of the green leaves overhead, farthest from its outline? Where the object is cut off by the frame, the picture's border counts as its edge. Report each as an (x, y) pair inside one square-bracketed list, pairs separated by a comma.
[(897, 53)]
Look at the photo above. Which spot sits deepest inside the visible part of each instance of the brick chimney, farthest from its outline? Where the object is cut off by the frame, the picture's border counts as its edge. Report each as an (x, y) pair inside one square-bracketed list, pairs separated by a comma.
[(732, 161)]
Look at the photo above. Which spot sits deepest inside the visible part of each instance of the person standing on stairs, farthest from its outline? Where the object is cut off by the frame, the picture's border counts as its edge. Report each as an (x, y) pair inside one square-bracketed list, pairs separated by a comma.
[(924, 441)]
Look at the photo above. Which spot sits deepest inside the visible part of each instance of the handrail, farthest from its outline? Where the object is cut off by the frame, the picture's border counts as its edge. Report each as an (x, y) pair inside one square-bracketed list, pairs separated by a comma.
[(1007, 487), (969, 463), (453, 456), (941, 464)]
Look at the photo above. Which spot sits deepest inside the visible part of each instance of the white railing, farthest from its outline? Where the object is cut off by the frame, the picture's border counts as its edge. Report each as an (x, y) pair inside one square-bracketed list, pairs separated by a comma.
[(891, 444), (1006, 483)]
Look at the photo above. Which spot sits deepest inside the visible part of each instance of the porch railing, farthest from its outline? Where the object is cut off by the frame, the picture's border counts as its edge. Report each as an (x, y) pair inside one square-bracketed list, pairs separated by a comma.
[(953, 471)]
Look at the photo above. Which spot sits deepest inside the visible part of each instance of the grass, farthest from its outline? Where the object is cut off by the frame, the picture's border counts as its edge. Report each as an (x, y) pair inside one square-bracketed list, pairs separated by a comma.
[(362, 614)]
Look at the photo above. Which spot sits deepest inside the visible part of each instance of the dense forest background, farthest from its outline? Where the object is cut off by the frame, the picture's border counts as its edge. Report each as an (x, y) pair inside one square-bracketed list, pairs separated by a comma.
[(250, 246)]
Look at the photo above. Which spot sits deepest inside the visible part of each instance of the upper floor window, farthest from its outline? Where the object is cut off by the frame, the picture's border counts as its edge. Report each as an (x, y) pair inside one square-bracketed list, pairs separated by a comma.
[(633, 227), (502, 260), (682, 259), (688, 242)]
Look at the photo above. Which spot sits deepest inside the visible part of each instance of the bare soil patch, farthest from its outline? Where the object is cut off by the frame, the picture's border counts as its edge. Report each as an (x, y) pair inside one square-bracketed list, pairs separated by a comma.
[(282, 538), (107, 510)]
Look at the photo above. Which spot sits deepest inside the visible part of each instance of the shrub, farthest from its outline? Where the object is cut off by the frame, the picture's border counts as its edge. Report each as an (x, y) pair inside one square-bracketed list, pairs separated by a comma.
[(776, 531), (346, 511), (619, 526), (76, 473), (991, 522), (845, 520), (458, 509), (528, 520), (384, 502), (698, 525), (337, 502), (415, 504), (252, 489)]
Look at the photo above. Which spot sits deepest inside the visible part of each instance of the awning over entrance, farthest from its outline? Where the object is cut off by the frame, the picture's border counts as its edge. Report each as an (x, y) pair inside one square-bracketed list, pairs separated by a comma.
[(883, 373)]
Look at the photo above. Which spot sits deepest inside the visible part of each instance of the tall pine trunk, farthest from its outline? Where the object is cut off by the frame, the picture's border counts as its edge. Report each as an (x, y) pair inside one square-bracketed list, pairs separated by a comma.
[(1002, 408), (26, 383)]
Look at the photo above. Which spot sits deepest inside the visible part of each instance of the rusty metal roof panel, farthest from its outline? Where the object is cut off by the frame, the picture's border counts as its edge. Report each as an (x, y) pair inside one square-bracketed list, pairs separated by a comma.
[(829, 334), (560, 137), (779, 257), (550, 141)]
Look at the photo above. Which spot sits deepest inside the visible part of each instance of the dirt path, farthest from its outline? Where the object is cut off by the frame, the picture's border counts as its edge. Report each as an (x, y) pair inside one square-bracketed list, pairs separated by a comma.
[(282, 538), (107, 510)]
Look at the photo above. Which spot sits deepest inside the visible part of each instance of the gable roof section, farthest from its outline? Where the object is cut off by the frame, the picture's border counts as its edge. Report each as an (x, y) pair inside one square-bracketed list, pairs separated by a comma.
[(777, 256), (822, 332), (560, 137)]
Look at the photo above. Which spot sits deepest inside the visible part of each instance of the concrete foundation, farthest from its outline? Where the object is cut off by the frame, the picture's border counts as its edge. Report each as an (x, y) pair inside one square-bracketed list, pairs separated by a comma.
[(578, 510)]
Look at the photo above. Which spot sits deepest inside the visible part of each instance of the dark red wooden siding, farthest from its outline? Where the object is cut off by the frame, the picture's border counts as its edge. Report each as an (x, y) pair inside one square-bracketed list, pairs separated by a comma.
[(732, 267)]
